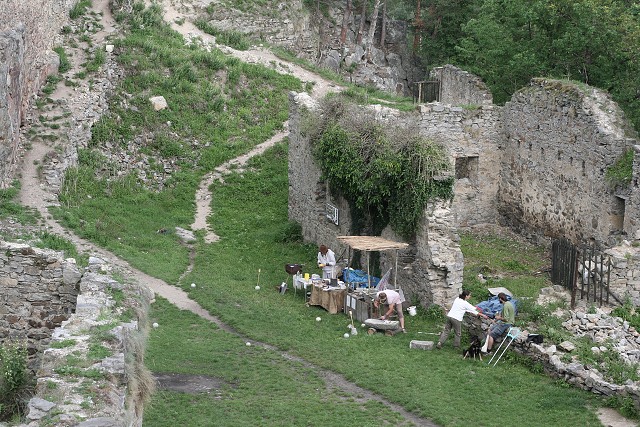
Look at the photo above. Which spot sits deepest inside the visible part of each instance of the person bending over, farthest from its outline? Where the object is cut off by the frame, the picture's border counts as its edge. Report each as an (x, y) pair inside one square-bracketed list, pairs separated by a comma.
[(394, 301), (459, 307)]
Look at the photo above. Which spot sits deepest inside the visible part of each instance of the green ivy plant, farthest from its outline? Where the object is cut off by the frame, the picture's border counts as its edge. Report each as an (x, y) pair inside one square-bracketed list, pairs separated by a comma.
[(621, 172), (388, 172)]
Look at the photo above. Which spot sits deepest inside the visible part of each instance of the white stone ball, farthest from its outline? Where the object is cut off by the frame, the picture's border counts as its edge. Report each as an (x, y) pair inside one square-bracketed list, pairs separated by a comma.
[(193, 285), (346, 335), (155, 325), (257, 287), (363, 325), (318, 319), (248, 344)]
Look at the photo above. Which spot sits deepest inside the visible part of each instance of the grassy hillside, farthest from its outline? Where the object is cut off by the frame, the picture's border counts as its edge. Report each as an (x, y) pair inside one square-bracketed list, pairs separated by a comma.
[(220, 108)]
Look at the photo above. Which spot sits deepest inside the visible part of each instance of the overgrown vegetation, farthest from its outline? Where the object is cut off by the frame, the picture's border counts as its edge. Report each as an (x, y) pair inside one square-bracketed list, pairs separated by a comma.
[(621, 172), (387, 172), (234, 39), (15, 381), (255, 387), (10, 208)]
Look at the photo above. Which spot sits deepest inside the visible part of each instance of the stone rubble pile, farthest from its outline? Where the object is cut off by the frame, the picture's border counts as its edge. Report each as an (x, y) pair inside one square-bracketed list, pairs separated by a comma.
[(602, 329)]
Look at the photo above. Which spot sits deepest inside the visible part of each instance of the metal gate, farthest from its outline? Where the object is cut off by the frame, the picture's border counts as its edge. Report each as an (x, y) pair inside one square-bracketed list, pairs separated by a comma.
[(584, 271)]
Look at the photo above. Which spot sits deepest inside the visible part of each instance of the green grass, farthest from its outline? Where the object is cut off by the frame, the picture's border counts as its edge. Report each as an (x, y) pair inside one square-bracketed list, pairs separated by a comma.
[(10, 208), (228, 107), (248, 214)]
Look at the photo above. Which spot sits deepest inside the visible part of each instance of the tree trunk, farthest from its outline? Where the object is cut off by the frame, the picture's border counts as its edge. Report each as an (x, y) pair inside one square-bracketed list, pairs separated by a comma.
[(372, 29), (417, 28), (363, 18), (345, 22), (383, 29)]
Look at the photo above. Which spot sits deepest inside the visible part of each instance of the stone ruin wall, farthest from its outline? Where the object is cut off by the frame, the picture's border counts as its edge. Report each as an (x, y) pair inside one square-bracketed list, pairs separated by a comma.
[(28, 30), (47, 299), (429, 270), (472, 138), (317, 40), (560, 143), (632, 208), (526, 171), (38, 292), (459, 87)]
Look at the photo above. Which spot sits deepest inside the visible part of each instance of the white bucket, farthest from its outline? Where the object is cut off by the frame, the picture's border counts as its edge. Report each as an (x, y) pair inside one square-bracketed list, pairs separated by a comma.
[(412, 310)]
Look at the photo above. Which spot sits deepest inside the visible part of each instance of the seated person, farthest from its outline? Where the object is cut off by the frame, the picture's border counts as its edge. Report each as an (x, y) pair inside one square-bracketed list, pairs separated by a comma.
[(504, 320)]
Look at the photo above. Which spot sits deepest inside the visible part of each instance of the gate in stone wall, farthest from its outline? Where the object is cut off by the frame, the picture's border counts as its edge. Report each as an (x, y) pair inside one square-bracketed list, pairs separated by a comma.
[(584, 271)]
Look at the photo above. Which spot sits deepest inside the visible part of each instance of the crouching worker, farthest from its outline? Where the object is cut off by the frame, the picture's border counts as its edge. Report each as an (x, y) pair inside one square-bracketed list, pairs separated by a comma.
[(504, 320), (459, 307), (394, 301)]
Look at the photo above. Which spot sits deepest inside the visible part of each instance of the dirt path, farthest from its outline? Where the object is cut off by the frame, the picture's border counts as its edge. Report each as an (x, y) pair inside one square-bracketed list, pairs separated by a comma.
[(36, 194)]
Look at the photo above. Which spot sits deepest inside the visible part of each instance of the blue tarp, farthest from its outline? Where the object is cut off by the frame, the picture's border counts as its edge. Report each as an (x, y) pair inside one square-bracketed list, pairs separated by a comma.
[(492, 306), (358, 278)]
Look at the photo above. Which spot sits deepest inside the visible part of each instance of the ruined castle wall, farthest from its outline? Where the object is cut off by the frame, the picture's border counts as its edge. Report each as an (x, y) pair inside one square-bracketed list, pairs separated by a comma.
[(459, 87), (28, 30), (632, 207), (561, 140), (429, 270), (38, 292), (473, 138)]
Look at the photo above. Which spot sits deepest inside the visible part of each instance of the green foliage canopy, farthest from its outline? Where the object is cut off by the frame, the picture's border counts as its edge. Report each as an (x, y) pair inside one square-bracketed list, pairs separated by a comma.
[(507, 42), (388, 172)]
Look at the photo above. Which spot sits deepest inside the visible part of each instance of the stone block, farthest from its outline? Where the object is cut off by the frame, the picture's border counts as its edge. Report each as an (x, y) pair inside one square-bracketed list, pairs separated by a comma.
[(421, 345)]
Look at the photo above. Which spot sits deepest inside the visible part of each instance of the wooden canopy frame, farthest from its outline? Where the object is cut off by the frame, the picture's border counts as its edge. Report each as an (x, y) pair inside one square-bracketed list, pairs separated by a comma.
[(370, 244)]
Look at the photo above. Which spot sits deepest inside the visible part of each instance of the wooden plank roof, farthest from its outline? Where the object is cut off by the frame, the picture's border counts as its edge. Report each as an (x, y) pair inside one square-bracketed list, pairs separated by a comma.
[(371, 243)]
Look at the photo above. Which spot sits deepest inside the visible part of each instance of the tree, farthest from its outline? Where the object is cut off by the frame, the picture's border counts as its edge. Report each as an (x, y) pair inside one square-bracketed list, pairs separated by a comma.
[(363, 18), (345, 22), (372, 28)]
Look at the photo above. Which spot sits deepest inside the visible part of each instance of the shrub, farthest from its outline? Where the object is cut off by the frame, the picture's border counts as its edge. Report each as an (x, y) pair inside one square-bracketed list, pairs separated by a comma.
[(14, 380), (291, 233)]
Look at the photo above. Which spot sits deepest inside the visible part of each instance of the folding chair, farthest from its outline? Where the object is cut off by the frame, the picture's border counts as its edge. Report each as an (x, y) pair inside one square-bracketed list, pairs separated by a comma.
[(512, 334)]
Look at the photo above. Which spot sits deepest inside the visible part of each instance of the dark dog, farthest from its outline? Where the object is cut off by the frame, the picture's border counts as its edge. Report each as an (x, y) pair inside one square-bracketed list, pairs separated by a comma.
[(474, 350)]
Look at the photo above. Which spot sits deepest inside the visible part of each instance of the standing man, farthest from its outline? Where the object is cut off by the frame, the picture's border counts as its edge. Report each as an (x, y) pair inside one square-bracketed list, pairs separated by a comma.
[(504, 320), (326, 261), (394, 301)]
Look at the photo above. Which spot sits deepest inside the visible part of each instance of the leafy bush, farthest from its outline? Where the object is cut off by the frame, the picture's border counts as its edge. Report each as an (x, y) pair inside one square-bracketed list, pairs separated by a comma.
[(14, 380), (387, 172), (621, 172), (435, 312), (65, 64), (291, 233)]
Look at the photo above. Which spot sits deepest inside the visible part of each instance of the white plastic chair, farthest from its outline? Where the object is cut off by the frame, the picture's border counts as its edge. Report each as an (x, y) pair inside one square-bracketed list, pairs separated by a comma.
[(512, 334)]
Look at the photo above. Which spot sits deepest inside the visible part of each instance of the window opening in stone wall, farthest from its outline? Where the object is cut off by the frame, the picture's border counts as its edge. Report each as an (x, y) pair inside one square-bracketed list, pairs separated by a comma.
[(559, 155), (542, 153), (530, 146), (571, 160), (467, 167), (584, 171), (617, 214), (427, 91)]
